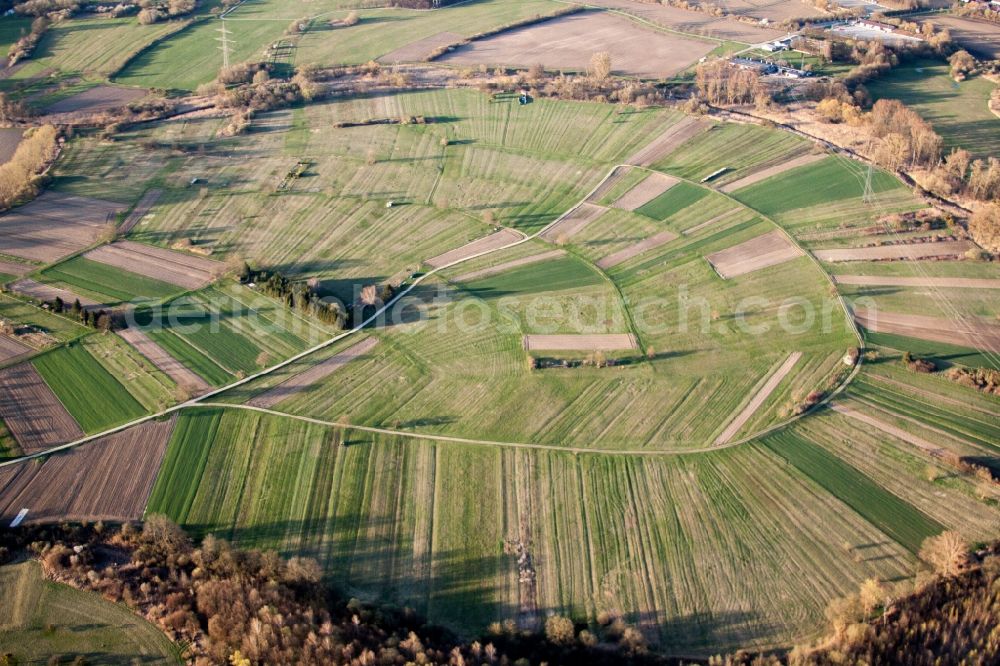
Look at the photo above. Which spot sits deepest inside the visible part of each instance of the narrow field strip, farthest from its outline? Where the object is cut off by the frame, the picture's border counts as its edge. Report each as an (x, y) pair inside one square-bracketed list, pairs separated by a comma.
[(755, 403), (887, 428), (718, 218), (764, 174), (932, 282), (32, 412), (506, 266), (46, 292), (621, 256), (909, 251), (671, 139), (573, 223), (159, 357), (107, 479), (302, 381), (968, 331), (11, 268), (11, 349), (140, 211), (183, 270), (653, 186), (478, 246), (770, 249), (53, 226), (599, 342)]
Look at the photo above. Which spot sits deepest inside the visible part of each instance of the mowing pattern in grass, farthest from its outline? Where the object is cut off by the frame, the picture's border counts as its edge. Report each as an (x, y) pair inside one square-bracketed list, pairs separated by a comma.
[(678, 197), (41, 618), (89, 392), (689, 540), (106, 283), (898, 519)]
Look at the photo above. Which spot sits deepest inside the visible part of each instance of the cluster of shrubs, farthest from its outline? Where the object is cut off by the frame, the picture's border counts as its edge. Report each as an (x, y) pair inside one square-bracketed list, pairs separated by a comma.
[(296, 295), (986, 380), (21, 176), (154, 11)]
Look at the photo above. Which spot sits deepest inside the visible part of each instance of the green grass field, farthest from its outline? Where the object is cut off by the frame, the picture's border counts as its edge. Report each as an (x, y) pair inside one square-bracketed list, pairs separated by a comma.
[(396, 518), (958, 111), (95, 398), (41, 619), (939, 351), (108, 284), (677, 198), (901, 521), (19, 312)]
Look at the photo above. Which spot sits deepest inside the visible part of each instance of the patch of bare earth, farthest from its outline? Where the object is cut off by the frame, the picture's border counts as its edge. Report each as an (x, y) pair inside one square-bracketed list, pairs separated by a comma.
[(178, 268), (11, 349), (763, 393), (140, 211), (421, 49), (107, 479), (595, 342), (507, 265), (695, 22), (764, 174), (302, 381), (53, 226), (900, 251), (963, 331), (769, 249), (569, 42), (48, 293), (774, 11), (10, 138), (573, 222), (931, 282), (170, 366), (476, 247), (980, 38), (650, 188), (32, 412), (671, 139), (623, 255), (98, 98)]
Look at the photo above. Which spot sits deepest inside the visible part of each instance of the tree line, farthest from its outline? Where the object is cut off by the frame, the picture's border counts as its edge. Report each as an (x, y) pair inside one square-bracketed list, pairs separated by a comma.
[(20, 177)]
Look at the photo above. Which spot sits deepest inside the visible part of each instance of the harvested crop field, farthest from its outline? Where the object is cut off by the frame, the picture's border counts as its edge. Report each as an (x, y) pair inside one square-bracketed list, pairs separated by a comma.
[(303, 381), (140, 210), (183, 270), (764, 174), (107, 479), (98, 98), (10, 138), (774, 11), (901, 251), (32, 412), (930, 282), (763, 393), (596, 342), (573, 223), (46, 292), (965, 331), (422, 49), (980, 38), (769, 249), (507, 265), (640, 195), (478, 246), (671, 139), (53, 225), (569, 42), (635, 250), (158, 356), (11, 348), (699, 23)]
